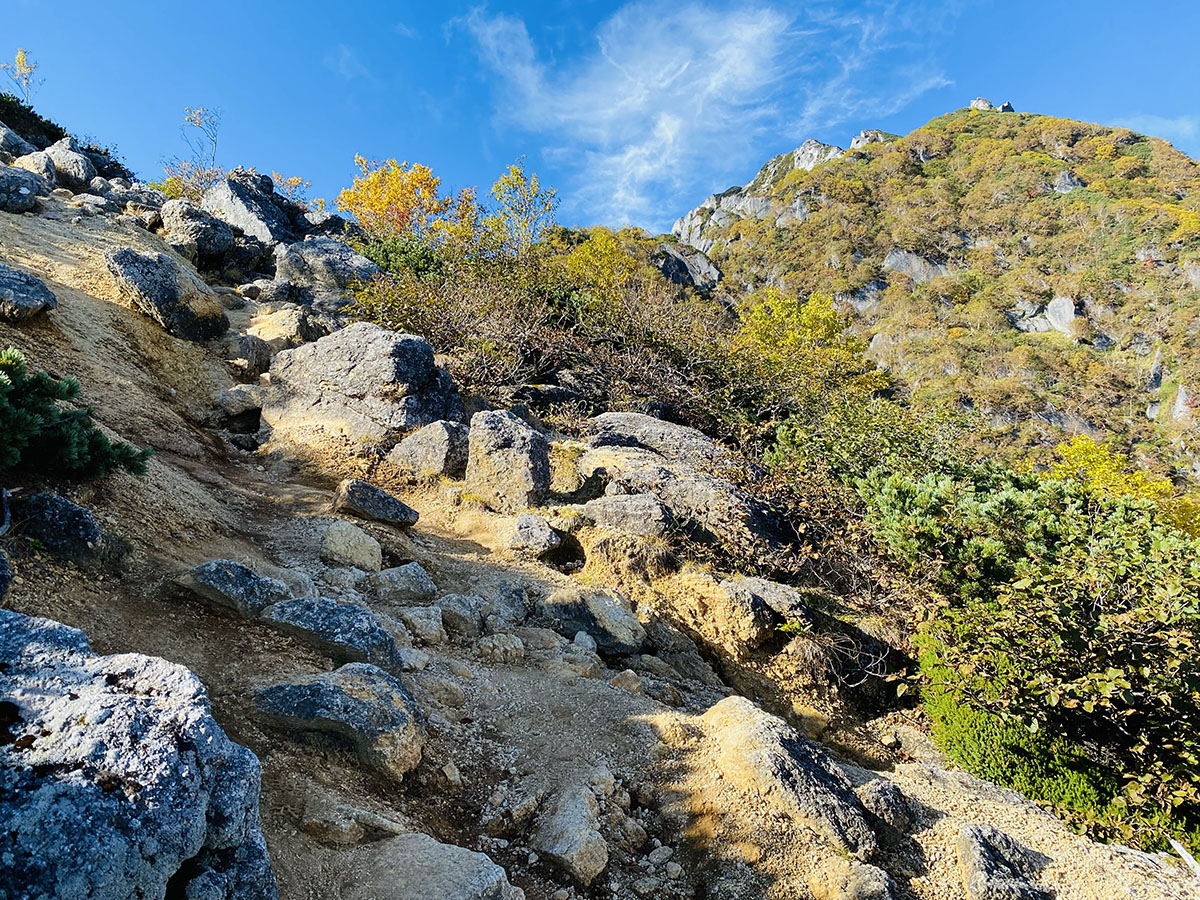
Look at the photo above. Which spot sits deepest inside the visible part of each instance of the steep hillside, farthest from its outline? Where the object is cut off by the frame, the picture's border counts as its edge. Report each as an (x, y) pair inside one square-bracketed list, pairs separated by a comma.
[(1042, 270)]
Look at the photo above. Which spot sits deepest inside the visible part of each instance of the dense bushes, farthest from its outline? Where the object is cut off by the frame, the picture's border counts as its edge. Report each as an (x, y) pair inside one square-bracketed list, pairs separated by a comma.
[(21, 118), (38, 435), (1068, 612)]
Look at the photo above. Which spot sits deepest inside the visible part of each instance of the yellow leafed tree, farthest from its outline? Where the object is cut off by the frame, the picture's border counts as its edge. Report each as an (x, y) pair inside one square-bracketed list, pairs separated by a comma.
[(392, 198), (21, 72)]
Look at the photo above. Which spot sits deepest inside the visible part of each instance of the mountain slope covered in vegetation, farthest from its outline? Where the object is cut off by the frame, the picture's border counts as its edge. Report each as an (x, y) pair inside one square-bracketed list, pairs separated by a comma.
[(1041, 270)]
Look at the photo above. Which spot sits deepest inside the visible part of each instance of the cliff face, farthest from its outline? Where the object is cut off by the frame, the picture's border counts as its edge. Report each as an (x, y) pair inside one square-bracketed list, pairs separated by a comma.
[(1037, 269)]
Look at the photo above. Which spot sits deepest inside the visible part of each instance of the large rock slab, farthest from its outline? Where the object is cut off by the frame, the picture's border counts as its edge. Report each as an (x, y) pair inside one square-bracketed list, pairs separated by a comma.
[(19, 189), (173, 296), (568, 834), (508, 463), (322, 270), (417, 867), (116, 781), (608, 619), (194, 234), (761, 754), (74, 170), (440, 448), (347, 632), (683, 469), (23, 295), (363, 382), (362, 499), (359, 702), (406, 585), (229, 585), (248, 202), (12, 143), (631, 513)]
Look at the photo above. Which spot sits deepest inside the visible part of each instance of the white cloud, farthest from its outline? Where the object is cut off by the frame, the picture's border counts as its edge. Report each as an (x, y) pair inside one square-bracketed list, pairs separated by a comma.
[(674, 95), (1182, 131), (404, 31), (344, 63)]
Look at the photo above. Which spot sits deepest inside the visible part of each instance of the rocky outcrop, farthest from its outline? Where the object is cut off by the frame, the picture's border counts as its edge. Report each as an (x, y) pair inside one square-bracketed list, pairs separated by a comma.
[(321, 270), (680, 467), (761, 754), (631, 513), (172, 295), (532, 536), (359, 702), (508, 462), (363, 382), (812, 153), (12, 143), (686, 266), (1066, 181), (247, 201), (417, 867), (608, 619), (72, 168), (440, 448), (195, 235), (915, 266), (115, 781), (22, 295)]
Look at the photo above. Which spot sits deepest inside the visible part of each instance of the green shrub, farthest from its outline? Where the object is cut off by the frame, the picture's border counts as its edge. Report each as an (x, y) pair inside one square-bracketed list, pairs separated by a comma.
[(22, 119), (1065, 613), (38, 435)]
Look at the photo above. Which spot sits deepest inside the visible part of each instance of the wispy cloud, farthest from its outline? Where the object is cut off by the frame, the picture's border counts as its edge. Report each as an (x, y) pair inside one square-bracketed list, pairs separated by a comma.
[(404, 31), (1182, 131), (344, 62), (675, 95)]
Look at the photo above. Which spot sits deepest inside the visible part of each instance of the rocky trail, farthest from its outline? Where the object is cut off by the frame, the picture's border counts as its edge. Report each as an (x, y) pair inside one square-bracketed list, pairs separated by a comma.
[(470, 666)]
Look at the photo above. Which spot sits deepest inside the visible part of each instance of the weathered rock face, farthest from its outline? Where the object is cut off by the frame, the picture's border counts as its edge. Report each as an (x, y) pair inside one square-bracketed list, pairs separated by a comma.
[(40, 163), (405, 585), (1066, 182), (348, 545), (995, 867), (532, 536), (346, 632), (74, 170), (66, 529), (196, 235), (608, 619), (22, 295), (568, 834), (369, 502), (676, 464), (117, 780), (508, 465), (247, 201), (229, 585), (630, 513), (173, 296), (916, 267), (19, 189), (363, 381), (12, 143), (686, 266), (812, 153), (359, 702), (417, 867), (321, 270), (844, 879), (761, 754), (440, 448)]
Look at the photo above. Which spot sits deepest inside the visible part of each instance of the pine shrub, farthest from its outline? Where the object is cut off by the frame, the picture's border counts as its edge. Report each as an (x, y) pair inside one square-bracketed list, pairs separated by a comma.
[(40, 434)]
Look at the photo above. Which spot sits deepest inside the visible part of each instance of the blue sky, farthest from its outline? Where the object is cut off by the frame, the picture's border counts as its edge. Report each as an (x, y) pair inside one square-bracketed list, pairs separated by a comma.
[(634, 111)]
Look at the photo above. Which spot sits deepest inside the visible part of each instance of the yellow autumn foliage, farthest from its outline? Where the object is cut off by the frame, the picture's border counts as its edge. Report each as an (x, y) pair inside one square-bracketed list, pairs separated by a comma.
[(393, 198)]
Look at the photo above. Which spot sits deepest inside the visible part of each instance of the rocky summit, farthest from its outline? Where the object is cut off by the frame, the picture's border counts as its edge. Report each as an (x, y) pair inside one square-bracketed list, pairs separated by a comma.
[(428, 550)]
